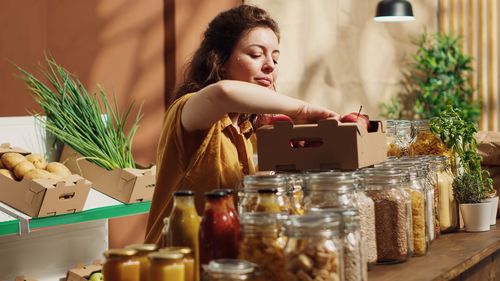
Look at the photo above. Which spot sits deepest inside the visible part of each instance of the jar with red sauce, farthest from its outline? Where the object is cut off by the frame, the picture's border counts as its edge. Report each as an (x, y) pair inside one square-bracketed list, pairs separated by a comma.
[(219, 229)]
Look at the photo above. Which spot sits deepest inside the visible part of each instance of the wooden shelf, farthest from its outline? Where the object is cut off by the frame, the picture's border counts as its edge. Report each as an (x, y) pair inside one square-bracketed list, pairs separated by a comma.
[(449, 256)]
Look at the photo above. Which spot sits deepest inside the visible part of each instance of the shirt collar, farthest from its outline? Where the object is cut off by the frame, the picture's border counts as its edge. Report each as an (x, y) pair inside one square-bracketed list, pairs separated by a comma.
[(246, 127)]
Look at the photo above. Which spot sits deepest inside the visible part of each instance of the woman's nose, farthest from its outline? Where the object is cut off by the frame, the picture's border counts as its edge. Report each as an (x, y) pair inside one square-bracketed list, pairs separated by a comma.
[(269, 66)]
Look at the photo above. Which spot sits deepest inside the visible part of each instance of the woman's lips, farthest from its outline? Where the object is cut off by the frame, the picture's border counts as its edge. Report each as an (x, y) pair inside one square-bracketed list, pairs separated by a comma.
[(264, 82)]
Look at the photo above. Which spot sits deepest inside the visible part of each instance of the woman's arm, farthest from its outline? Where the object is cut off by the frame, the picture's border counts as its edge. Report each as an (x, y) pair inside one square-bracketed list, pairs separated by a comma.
[(203, 109)]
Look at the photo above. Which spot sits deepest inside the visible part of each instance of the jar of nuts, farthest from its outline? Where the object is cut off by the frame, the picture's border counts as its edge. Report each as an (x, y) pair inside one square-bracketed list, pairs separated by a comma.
[(230, 270), (331, 190), (313, 250), (248, 195), (263, 244)]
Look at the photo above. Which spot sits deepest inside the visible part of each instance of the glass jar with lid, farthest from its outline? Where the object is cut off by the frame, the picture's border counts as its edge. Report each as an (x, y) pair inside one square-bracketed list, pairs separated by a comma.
[(190, 270), (295, 192), (367, 225), (355, 266), (392, 214), (166, 266), (332, 190), (447, 208), (398, 137), (142, 256), (248, 195), (313, 250), (230, 270), (120, 265), (263, 244), (425, 142)]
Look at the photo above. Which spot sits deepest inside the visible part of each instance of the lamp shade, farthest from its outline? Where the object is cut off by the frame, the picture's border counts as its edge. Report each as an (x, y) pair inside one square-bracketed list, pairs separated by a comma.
[(394, 10)]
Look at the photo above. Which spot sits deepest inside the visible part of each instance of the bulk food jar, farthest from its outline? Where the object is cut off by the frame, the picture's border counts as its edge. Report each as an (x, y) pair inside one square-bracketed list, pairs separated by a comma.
[(425, 142), (120, 266), (447, 205), (332, 190), (355, 267), (230, 270), (313, 250), (190, 270), (398, 137), (392, 214), (142, 256), (367, 225), (166, 266), (263, 244), (295, 192), (248, 195)]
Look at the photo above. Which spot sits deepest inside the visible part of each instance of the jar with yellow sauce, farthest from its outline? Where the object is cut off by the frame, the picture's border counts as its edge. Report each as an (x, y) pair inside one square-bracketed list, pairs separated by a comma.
[(188, 259), (248, 196), (267, 201), (120, 265), (230, 270), (166, 266), (142, 256)]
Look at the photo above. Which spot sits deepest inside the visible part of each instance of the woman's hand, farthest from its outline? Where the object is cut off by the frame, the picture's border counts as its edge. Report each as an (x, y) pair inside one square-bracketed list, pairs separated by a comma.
[(310, 113)]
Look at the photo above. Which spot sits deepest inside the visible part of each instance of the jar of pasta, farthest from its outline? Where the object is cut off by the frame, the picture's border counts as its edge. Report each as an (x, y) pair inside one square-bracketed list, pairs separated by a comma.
[(392, 214), (313, 250), (248, 195), (398, 136), (448, 218), (263, 244), (120, 265), (230, 270), (166, 266), (142, 256), (332, 190), (425, 142)]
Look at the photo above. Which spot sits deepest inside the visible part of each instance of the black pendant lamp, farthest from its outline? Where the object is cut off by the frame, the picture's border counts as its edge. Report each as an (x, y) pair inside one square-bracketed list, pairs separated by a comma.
[(394, 10)]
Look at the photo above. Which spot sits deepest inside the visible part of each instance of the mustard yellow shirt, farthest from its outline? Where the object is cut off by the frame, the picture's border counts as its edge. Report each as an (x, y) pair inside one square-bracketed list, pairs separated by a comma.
[(200, 161)]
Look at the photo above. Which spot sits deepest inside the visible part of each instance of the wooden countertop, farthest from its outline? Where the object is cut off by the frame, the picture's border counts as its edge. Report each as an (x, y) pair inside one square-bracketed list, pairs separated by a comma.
[(448, 256)]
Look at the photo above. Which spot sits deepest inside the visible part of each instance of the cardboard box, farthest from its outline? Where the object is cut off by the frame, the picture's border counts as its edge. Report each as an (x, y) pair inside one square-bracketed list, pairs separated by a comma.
[(127, 185), (329, 145), (83, 272), (43, 197)]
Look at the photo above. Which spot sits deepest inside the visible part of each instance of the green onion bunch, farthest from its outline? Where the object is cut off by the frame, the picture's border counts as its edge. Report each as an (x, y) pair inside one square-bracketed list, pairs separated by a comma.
[(86, 122)]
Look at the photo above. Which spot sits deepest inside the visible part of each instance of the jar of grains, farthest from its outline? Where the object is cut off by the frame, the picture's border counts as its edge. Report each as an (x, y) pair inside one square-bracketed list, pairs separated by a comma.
[(367, 225), (313, 250), (262, 244), (331, 190), (230, 270), (355, 267), (392, 214), (248, 195)]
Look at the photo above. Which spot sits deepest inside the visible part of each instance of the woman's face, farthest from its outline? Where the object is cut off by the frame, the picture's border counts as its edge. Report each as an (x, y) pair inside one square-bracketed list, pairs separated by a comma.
[(255, 58)]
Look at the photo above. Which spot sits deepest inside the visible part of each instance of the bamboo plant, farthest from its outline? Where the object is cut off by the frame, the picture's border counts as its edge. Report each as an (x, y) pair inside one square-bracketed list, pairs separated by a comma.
[(87, 122)]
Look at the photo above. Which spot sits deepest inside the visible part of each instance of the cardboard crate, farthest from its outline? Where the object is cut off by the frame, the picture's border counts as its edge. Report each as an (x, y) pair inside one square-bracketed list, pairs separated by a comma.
[(127, 185), (83, 272), (334, 145), (43, 197)]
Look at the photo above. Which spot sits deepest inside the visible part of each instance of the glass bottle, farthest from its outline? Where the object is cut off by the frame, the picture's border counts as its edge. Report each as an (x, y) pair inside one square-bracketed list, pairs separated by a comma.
[(267, 201), (218, 235), (184, 224), (142, 256), (448, 218), (392, 214), (188, 260), (313, 250), (119, 265), (166, 266), (230, 270), (333, 190), (252, 183)]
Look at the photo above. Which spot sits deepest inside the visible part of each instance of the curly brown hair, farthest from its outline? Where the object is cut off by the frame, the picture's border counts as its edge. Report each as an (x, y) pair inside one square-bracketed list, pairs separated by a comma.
[(218, 42)]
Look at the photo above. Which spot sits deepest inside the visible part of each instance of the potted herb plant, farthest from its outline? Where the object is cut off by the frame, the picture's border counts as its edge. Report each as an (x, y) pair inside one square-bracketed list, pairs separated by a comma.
[(471, 184)]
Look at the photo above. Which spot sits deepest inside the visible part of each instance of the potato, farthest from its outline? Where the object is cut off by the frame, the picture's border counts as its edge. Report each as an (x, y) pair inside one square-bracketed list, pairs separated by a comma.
[(11, 159), (22, 168), (7, 173), (39, 174), (37, 160), (58, 169)]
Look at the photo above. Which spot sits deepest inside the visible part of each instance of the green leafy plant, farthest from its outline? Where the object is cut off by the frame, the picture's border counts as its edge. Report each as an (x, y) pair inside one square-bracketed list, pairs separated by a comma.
[(457, 134), (439, 76), (87, 122)]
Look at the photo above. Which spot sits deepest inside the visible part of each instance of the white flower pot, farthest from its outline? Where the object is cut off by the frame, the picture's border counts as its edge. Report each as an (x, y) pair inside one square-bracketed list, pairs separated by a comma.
[(476, 216), (494, 207)]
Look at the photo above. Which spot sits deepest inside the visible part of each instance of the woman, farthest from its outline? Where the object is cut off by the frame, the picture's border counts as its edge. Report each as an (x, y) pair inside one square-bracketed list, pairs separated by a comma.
[(205, 139)]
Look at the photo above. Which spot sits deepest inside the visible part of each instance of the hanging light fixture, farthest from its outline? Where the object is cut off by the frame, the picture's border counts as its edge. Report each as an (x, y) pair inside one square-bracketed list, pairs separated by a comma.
[(394, 10)]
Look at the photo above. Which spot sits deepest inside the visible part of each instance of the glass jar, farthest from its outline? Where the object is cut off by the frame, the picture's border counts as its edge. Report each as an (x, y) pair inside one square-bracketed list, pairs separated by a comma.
[(252, 183), (422, 225), (296, 192), (166, 266), (219, 231), (355, 266), (398, 136), (313, 250), (333, 190), (263, 244), (230, 270), (142, 256), (367, 225), (425, 142), (392, 214), (448, 218), (120, 265), (190, 271)]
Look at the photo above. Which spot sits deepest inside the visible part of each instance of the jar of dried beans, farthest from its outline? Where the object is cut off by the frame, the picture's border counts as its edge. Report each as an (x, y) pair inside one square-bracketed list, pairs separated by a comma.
[(332, 190), (248, 195), (263, 244), (313, 250), (392, 214), (230, 270)]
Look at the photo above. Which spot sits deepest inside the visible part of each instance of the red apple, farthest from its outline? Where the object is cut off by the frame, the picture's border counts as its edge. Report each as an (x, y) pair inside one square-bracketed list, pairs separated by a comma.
[(279, 117), (354, 117)]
